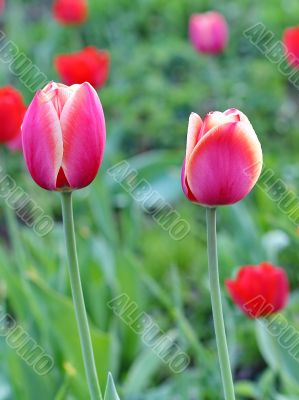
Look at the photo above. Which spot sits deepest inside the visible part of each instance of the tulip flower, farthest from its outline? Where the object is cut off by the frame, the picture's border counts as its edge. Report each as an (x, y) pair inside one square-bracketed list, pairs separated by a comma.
[(88, 65), (259, 290), (291, 43), (12, 111), (2, 6), (70, 12), (223, 162), (208, 32), (64, 136), (223, 158), (63, 143)]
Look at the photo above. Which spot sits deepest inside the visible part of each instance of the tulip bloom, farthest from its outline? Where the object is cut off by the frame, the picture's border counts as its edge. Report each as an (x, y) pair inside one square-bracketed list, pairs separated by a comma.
[(12, 111), (70, 12), (259, 290), (64, 136), (223, 158), (88, 65), (208, 32), (2, 6), (291, 43)]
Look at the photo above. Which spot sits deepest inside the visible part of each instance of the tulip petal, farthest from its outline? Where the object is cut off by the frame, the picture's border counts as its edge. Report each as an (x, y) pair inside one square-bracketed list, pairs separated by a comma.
[(225, 164), (216, 118), (84, 135), (194, 127), (184, 183), (42, 141)]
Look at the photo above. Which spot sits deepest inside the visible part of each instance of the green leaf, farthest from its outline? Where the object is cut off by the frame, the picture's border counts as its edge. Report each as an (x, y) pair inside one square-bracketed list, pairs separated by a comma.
[(110, 392), (278, 357)]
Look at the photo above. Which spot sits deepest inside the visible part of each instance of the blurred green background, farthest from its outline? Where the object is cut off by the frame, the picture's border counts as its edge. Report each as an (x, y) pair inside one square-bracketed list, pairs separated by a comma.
[(156, 80)]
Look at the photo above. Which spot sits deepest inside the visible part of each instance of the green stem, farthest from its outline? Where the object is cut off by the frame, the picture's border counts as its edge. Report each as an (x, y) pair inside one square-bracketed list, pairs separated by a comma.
[(12, 225), (223, 355), (82, 321)]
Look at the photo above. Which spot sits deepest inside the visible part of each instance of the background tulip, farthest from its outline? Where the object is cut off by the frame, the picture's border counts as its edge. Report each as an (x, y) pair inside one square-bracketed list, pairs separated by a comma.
[(208, 32), (223, 158), (2, 6), (259, 290), (88, 65), (12, 111), (291, 42), (70, 12), (64, 136)]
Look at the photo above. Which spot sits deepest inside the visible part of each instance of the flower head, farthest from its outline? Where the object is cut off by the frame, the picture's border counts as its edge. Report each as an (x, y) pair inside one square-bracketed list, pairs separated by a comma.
[(208, 32), (64, 136), (259, 290), (291, 45), (88, 65), (223, 158), (70, 12), (12, 111)]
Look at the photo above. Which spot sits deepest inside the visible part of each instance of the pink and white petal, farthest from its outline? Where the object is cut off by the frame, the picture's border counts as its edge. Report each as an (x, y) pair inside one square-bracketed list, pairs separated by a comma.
[(194, 126), (235, 113), (58, 93), (216, 118), (211, 120), (42, 141), (225, 164), (184, 183), (84, 136)]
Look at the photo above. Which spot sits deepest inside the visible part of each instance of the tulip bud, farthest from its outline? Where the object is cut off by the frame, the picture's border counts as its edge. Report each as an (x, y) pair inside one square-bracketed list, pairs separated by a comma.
[(69, 12), (2, 6), (208, 32), (64, 136), (291, 43), (223, 158), (88, 65), (12, 111), (260, 290)]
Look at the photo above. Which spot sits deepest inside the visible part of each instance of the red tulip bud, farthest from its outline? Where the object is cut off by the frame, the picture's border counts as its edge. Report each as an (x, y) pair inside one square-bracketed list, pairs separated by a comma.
[(88, 65), (12, 110), (69, 12), (291, 42), (259, 290)]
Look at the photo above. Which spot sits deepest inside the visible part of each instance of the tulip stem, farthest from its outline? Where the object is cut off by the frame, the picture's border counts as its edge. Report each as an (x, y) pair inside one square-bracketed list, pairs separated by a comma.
[(78, 299), (223, 355)]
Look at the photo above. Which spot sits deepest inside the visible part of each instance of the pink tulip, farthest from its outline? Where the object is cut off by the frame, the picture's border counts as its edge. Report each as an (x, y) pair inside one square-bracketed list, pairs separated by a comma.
[(64, 136), (223, 158), (208, 32)]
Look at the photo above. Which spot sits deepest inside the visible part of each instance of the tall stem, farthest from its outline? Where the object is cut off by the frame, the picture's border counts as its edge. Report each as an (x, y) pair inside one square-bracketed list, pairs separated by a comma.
[(223, 355), (78, 299)]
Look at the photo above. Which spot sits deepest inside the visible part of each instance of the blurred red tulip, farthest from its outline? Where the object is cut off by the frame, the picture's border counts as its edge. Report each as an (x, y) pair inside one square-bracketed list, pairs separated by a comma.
[(64, 136), (223, 158), (259, 290), (88, 65), (291, 42), (70, 12), (12, 111), (2, 6), (208, 32)]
